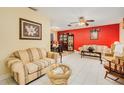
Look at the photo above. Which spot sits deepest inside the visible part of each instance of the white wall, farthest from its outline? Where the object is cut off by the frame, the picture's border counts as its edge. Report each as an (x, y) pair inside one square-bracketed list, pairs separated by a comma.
[(9, 32)]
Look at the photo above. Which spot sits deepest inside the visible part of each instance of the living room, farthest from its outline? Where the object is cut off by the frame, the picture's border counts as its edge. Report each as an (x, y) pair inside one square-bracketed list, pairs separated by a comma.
[(87, 28)]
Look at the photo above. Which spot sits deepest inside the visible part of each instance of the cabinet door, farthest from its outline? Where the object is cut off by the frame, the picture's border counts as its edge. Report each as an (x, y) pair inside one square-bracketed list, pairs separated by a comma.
[(65, 38), (61, 38), (70, 42)]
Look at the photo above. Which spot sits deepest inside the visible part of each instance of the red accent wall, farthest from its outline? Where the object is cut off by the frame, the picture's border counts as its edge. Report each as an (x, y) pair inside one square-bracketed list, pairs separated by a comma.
[(107, 35)]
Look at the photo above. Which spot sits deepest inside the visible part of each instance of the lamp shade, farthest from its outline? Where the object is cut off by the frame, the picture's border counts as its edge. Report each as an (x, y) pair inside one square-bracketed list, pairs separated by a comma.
[(116, 42), (119, 50)]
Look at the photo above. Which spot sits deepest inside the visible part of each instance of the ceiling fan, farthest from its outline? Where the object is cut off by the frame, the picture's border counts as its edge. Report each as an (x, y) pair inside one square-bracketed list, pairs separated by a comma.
[(81, 22)]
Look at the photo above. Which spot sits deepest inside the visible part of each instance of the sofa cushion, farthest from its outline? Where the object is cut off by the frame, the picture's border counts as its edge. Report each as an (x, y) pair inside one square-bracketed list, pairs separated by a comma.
[(30, 54), (44, 53), (51, 61), (44, 63), (32, 68), (99, 48), (23, 55), (35, 53), (84, 48)]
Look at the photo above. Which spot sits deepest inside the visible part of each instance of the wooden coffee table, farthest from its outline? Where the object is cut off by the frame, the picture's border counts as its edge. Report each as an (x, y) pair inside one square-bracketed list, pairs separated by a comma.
[(92, 54)]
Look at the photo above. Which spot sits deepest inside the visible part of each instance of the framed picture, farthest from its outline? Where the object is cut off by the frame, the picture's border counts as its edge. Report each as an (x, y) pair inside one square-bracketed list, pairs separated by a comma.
[(94, 34), (30, 30)]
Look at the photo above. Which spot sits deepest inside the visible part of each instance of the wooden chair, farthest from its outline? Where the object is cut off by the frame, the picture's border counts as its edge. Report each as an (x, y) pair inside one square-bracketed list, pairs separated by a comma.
[(115, 66)]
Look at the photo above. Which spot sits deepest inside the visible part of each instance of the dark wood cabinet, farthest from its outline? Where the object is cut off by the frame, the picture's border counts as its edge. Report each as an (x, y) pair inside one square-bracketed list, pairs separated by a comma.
[(67, 41)]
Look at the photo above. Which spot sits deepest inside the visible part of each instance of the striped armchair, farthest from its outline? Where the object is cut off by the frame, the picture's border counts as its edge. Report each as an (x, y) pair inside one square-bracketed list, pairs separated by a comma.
[(29, 64)]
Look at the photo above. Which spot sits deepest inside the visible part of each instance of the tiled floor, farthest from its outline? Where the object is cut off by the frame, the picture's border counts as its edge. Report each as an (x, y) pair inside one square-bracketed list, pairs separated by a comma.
[(85, 71)]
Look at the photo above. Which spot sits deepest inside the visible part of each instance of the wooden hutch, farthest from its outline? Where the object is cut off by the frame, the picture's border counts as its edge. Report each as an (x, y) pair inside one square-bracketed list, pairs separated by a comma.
[(67, 41)]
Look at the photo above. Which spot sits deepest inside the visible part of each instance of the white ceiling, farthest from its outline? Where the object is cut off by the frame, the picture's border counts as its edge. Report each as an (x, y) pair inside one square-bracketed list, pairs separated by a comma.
[(61, 16)]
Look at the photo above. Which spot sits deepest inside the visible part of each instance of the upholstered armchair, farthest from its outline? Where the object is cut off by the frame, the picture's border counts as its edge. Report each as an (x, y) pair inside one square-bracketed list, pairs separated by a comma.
[(110, 52), (114, 65)]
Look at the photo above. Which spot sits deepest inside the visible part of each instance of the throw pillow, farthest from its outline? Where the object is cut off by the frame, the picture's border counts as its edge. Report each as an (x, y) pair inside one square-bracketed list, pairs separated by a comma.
[(44, 53)]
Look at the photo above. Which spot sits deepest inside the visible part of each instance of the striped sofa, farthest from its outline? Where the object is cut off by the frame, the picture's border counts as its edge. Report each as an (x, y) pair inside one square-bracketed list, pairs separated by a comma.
[(29, 64), (98, 48)]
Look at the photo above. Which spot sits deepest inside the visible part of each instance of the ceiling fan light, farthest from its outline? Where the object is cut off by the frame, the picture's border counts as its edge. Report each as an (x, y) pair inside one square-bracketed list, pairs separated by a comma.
[(81, 24)]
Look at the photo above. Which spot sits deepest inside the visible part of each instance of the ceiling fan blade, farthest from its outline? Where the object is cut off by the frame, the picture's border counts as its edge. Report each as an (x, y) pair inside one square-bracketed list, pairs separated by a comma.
[(90, 20), (72, 23)]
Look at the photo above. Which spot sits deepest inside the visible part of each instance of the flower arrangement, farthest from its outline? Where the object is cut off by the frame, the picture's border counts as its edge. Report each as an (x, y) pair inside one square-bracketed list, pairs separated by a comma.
[(90, 49)]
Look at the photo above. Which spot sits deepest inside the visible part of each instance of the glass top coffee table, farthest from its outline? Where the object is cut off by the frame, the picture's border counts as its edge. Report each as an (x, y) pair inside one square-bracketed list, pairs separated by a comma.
[(59, 74), (92, 54)]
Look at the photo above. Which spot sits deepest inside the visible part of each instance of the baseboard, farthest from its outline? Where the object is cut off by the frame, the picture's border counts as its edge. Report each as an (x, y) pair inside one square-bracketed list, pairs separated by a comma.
[(4, 76)]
